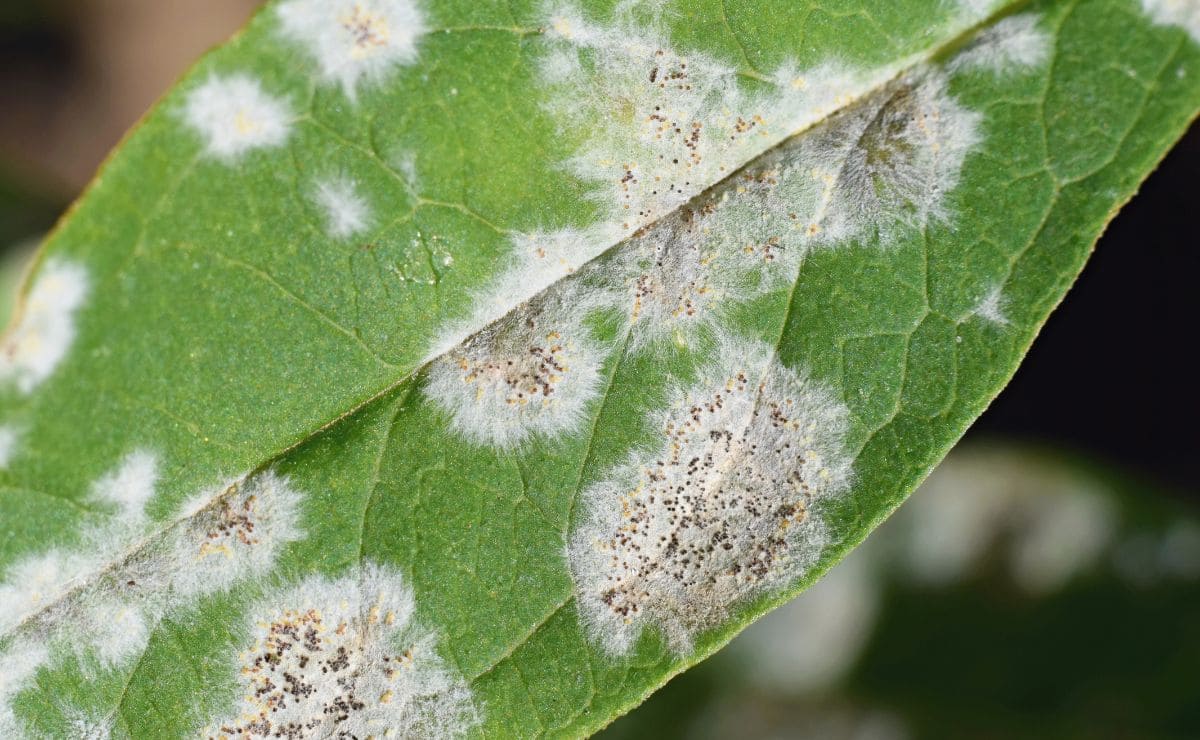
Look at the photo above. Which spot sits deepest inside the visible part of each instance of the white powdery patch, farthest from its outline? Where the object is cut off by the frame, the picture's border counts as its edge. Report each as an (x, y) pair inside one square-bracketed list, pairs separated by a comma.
[(234, 115), (345, 210), (45, 326), (883, 165), (991, 308), (237, 536), (539, 259), (114, 630), (532, 374), (34, 582), (129, 487), (9, 437), (725, 506), (101, 602), (1182, 13), (345, 658), (678, 277), (880, 167), (88, 726), (354, 40), (19, 663), (660, 126), (1012, 46), (41, 580)]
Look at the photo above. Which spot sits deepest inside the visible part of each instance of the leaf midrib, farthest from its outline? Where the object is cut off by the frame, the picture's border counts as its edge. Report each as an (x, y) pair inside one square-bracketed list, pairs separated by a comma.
[(914, 61)]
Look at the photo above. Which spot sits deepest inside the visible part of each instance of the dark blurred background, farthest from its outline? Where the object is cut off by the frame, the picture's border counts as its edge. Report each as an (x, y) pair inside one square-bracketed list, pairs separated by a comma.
[(1087, 468)]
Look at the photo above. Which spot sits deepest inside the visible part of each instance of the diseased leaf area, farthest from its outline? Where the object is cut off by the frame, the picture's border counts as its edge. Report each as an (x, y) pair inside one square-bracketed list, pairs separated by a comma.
[(469, 369)]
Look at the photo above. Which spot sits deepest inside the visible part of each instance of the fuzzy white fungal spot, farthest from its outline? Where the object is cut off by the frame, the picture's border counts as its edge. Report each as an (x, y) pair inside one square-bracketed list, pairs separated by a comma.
[(875, 169), (1013, 45), (664, 125), (8, 444), (346, 211), (345, 658), (659, 127), (238, 536), (723, 507), (538, 260), (100, 602), (130, 486), (85, 726), (991, 308), (1182, 13), (353, 40), (40, 580), (532, 374), (18, 665), (235, 115), (37, 581), (45, 325), (886, 163), (116, 630)]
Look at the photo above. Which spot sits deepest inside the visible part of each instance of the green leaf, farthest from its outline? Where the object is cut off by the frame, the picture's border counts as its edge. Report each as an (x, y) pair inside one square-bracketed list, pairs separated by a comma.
[(466, 368)]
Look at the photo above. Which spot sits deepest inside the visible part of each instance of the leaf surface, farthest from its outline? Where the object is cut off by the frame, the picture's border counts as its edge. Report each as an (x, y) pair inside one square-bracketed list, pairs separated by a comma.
[(473, 368)]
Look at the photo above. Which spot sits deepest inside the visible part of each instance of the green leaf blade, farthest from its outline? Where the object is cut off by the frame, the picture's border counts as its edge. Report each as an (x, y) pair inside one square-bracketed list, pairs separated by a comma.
[(374, 310)]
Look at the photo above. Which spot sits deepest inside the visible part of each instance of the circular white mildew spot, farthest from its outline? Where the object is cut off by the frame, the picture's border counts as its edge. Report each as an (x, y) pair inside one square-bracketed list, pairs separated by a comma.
[(343, 208), (45, 325), (724, 507), (882, 165), (353, 40), (238, 533), (533, 374), (234, 115), (343, 657)]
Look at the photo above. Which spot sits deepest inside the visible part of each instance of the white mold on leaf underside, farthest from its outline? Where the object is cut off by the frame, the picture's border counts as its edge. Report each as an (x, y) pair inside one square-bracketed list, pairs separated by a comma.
[(532, 374), (872, 173), (44, 329), (234, 115), (98, 603), (354, 41), (724, 506), (1182, 13), (1012, 45), (656, 128), (344, 209), (344, 657), (663, 125)]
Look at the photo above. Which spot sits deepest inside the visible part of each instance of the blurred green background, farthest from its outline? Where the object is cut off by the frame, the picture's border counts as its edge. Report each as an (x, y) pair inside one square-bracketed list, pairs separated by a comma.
[(1043, 583)]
